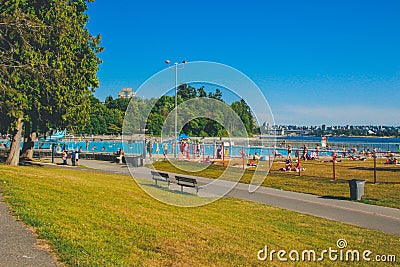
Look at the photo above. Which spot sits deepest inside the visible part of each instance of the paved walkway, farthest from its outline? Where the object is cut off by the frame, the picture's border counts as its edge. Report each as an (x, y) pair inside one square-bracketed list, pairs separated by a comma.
[(368, 216), (18, 245)]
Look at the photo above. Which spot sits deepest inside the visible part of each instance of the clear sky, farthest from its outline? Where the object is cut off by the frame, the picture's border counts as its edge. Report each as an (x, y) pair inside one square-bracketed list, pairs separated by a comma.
[(332, 61)]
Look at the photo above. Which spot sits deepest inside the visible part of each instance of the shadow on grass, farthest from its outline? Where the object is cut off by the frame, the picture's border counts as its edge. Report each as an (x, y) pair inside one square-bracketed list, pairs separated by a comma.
[(30, 163), (166, 189), (395, 169)]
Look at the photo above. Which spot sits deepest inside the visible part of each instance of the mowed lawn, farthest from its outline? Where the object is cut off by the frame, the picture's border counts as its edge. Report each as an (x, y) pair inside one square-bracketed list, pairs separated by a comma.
[(316, 179), (97, 219)]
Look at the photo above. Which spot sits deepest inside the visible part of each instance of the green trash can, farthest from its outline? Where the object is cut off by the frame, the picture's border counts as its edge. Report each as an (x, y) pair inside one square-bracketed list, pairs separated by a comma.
[(356, 189)]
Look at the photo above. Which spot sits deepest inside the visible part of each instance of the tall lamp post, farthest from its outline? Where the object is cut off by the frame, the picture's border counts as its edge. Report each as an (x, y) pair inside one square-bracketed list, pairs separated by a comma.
[(176, 64)]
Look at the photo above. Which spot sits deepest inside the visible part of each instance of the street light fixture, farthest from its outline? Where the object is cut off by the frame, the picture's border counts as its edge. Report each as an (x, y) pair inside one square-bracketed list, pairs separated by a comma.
[(176, 64)]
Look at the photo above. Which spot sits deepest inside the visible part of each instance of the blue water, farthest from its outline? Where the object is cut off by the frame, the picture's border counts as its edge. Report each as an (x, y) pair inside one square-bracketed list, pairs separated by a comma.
[(360, 143)]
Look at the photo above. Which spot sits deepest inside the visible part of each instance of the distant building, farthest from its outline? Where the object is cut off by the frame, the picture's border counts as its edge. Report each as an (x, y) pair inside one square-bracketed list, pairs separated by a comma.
[(126, 93), (266, 125)]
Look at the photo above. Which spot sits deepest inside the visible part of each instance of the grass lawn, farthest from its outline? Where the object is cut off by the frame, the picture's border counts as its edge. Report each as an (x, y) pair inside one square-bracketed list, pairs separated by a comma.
[(316, 179), (97, 219)]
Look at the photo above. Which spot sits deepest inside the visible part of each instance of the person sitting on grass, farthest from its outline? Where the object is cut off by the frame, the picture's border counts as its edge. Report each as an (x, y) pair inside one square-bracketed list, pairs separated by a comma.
[(208, 160), (288, 165), (251, 162), (355, 158), (312, 156), (392, 161)]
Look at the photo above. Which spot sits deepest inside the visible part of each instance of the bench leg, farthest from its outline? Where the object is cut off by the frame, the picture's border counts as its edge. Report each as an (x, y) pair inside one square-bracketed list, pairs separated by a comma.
[(182, 188), (156, 182), (197, 189), (169, 183)]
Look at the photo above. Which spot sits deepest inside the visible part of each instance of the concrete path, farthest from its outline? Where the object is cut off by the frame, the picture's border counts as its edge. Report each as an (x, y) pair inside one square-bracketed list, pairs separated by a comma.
[(368, 216), (18, 245)]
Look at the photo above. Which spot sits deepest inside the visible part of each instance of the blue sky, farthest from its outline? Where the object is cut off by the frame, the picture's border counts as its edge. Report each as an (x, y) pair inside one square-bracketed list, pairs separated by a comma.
[(331, 62)]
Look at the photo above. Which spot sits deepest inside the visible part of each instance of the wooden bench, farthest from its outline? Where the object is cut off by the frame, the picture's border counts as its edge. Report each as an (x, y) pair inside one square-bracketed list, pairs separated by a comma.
[(188, 182), (161, 176)]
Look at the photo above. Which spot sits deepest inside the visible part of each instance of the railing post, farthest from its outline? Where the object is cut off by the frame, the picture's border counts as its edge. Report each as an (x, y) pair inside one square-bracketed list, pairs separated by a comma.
[(242, 154), (204, 159), (334, 165), (374, 167), (298, 162), (269, 160), (223, 154)]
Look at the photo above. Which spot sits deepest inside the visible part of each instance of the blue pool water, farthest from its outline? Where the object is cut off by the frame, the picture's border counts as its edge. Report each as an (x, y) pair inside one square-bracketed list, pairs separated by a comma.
[(382, 144)]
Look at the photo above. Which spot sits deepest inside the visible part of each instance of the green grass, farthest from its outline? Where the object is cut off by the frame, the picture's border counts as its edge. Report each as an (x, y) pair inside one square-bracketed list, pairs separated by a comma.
[(316, 179), (96, 219)]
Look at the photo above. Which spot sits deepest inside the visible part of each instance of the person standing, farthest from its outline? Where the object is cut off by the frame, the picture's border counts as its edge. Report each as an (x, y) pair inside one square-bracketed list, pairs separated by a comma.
[(165, 149), (198, 149), (64, 157), (73, 157), (173, 148), (76, 158), (149, 148), (289, 151), (157, 147)]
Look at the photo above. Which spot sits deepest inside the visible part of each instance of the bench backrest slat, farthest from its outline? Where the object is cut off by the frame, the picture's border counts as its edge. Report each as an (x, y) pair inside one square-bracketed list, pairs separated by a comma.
[(162, 174), (186, 179)]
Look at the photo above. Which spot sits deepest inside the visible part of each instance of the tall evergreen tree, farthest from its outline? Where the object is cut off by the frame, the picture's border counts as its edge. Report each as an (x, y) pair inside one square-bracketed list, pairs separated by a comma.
[(48, 66)]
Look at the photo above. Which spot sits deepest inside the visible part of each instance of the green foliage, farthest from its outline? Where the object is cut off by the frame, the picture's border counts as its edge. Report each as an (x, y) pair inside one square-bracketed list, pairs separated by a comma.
[(199, 126), (243, 110), (48, 62), (108, 117)]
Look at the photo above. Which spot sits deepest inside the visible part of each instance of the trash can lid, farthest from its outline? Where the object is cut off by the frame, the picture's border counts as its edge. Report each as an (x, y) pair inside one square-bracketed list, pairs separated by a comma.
[(357, 180)]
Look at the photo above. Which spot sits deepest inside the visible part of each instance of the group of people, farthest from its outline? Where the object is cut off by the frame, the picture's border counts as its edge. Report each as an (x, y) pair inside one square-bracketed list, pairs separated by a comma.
[(289, 166), (73, 156), (185, 147), (392, 161), (150, 144), (305, 155), (253, 160)]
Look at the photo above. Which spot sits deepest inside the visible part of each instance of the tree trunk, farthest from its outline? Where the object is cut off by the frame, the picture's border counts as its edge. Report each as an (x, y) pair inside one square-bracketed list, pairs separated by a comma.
[(29, 142), (13, 155)]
